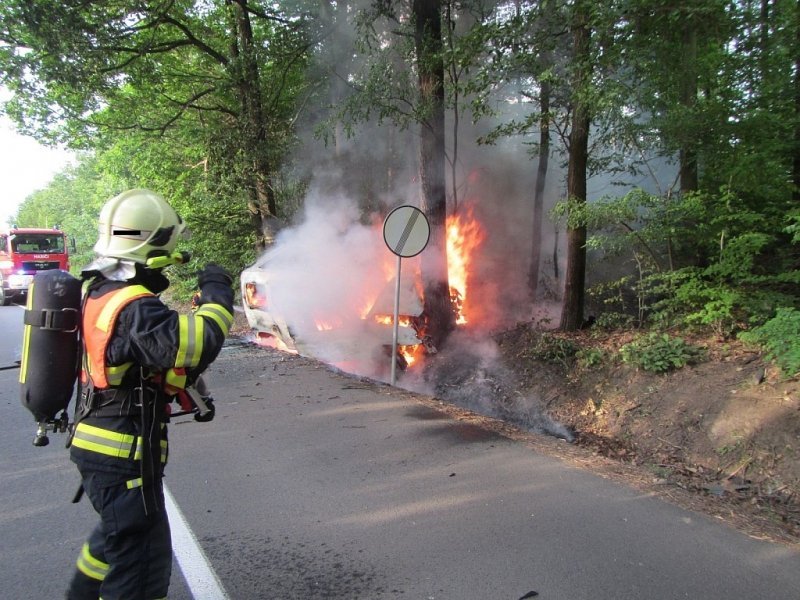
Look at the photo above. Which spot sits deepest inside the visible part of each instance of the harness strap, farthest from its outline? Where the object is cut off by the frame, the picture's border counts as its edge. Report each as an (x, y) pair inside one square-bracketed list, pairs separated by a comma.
[(153, 405), (63, 319)]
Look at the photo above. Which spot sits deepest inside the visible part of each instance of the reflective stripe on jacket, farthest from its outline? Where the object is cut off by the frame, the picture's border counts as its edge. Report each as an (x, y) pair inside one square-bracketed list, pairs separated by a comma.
[(112, 443)]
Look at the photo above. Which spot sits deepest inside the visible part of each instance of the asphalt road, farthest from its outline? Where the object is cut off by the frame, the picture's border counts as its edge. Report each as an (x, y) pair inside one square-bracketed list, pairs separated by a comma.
[(311, 484)]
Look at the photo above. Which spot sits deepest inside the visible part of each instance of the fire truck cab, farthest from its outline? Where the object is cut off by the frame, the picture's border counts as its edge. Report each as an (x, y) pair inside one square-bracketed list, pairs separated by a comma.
[(25, 252)]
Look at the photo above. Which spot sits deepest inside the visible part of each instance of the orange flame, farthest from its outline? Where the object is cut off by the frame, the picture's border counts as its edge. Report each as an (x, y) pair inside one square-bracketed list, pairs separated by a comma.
[(411, 353), (402, 320), (270, 341), (464, 237), (326, 325)]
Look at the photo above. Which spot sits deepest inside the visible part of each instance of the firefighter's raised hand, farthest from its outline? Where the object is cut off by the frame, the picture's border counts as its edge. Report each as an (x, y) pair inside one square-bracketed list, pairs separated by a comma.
[(215, 285), (213, 274)]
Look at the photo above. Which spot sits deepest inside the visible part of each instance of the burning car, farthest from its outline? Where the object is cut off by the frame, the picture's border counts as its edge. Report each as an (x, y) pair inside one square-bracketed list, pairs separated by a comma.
[(291, 310), (268, 327), (326, 289)]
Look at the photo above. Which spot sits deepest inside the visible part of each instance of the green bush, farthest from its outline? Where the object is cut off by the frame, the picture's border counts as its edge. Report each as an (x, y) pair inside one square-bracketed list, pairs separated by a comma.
[(713, 260), (550, 348), (780, 337), (612, 321), (659, 353), (589, 358)]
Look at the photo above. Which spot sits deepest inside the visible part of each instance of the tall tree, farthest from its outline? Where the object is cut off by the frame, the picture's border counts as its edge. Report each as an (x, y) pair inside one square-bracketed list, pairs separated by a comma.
[(402, 79), (247, 78), (796, 149), (676, 53), (84, 71), (575, 276), (430, 72), (546, 49), (687, 97), (513, 48), (546, 19)]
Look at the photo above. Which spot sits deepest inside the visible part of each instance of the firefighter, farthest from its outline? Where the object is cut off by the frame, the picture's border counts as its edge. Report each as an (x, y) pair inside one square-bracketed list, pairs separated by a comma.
[(137, 355)]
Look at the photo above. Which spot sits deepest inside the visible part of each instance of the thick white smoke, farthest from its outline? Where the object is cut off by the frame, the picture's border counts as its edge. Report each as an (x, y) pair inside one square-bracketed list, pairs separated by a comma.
[(325, 275)]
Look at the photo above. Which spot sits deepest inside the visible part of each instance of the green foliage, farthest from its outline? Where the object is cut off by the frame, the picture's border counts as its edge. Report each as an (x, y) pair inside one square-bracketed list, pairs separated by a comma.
[(616, 303), (175, 96), (793, 228), (551, 348), (590, 358), (659, 353), (780, 337), (216, 216), (705, 260), (614, 320), (179, 97)]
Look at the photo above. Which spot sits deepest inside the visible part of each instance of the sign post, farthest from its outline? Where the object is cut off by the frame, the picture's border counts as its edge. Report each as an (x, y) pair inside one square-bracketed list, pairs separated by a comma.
[(406, 232)]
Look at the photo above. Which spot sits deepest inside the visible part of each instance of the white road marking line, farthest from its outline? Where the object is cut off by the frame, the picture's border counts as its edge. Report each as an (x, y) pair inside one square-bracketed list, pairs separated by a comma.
[(200, 577)]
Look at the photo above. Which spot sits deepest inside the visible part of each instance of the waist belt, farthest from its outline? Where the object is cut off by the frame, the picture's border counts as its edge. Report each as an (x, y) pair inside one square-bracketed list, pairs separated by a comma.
[(113, 402), (115, 410), (112, 443)]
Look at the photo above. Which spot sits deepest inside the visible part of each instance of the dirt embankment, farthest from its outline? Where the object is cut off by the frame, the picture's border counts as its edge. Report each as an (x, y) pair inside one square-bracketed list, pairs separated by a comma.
[(725, 430)]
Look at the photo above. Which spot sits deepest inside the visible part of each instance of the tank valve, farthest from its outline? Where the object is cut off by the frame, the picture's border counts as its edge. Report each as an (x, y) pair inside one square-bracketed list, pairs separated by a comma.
[(41, 438), (59, 425)]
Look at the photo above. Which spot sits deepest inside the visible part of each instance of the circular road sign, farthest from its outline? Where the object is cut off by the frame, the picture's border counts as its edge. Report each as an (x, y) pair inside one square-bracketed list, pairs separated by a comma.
[(406, 231)]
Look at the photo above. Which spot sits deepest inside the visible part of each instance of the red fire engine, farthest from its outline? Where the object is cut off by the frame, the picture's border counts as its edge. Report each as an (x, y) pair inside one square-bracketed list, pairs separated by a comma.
[(25, 252)]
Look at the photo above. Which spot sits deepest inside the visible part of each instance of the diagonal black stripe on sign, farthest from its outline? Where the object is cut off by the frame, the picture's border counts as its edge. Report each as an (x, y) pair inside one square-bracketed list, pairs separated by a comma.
[(398, 249)]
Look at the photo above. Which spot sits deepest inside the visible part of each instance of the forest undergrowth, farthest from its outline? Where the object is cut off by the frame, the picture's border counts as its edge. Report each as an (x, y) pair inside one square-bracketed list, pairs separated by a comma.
[(723, 427)]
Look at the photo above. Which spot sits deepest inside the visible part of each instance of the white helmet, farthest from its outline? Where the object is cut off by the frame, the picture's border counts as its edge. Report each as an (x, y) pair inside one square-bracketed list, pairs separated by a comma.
[(137, 225)]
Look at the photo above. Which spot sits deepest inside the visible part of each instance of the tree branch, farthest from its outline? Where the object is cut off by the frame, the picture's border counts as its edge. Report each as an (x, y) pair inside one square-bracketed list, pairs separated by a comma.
[(191, 39)]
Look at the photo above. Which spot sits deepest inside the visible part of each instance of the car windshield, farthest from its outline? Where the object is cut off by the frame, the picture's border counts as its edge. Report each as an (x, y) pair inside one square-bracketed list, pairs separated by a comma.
[(37, 243)]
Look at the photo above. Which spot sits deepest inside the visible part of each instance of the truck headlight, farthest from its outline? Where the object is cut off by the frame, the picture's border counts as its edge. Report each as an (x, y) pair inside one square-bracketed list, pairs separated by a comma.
[(19, 282)]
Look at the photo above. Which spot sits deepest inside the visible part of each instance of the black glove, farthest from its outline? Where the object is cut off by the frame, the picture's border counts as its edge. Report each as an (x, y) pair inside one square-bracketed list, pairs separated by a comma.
[(214, 274)]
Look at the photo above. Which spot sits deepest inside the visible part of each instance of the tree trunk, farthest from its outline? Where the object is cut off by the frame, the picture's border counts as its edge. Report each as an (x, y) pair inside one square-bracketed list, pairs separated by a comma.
[(538, 195), (262, 205), (796, 154), (336, 58), (436, 289), (687, 154), (575, 277)]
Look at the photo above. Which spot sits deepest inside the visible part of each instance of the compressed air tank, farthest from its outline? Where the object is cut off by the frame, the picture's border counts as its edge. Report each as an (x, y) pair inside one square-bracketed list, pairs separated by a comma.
[(50, 344)]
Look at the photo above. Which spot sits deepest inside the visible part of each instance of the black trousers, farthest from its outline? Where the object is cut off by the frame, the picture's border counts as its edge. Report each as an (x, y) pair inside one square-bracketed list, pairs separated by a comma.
[(128, 555)]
